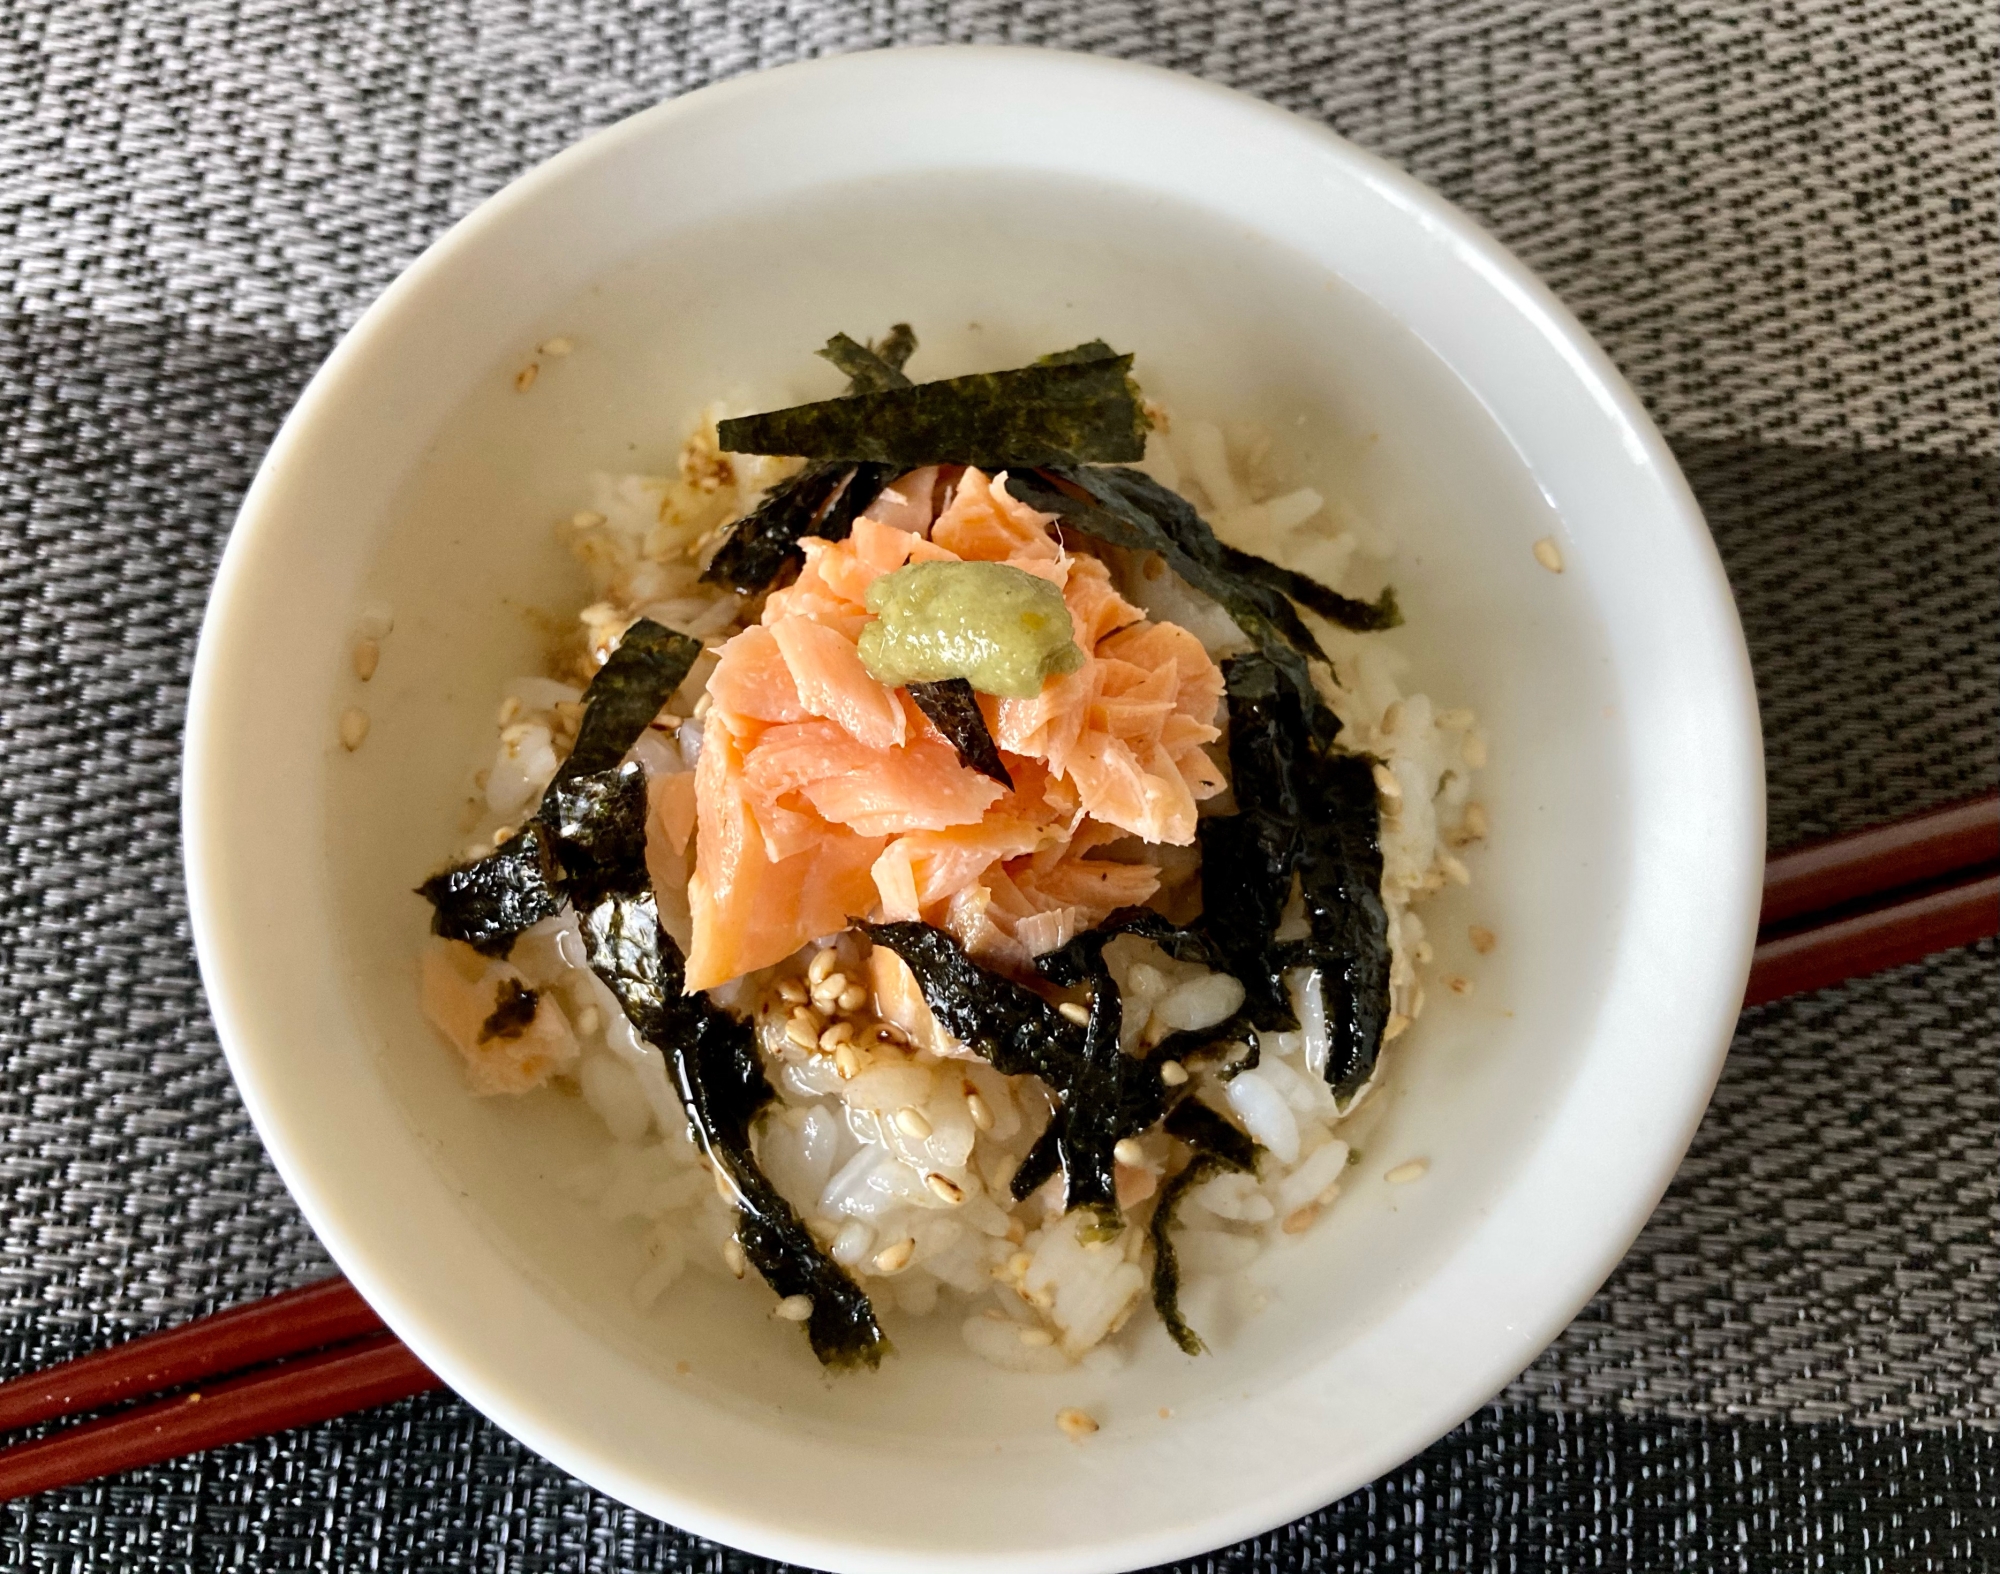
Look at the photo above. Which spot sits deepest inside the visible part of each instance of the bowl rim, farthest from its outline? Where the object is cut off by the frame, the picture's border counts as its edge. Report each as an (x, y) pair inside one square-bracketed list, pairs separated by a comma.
[(1739, 823)]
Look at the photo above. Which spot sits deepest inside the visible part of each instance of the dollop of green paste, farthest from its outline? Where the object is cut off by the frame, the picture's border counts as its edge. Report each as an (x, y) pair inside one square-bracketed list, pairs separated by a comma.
[(1001, 628)]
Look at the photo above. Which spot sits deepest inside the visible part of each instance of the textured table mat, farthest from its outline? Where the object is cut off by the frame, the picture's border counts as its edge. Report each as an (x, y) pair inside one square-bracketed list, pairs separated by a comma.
[(1780, 220)]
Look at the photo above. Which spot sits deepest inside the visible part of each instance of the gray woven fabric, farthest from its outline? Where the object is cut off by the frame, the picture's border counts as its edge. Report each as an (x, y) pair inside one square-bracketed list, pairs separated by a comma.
[(1780, 219)]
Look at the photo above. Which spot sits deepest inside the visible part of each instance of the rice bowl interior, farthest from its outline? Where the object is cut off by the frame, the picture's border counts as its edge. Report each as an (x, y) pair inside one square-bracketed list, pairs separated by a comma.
[(530, 1307)]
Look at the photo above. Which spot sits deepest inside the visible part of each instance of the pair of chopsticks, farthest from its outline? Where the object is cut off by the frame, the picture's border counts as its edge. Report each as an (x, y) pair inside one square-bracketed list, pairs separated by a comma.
[(288, 1360), (1835, 910), (1891, 894)]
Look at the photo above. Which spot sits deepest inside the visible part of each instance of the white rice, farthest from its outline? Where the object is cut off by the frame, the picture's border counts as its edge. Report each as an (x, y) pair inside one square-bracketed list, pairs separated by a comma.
[(901, 1168)]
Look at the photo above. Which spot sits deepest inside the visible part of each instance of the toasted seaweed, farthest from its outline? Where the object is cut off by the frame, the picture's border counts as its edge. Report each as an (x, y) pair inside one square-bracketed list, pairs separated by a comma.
[(1364, 617), (1206, 1131), (872, 368), (1014, 1028), (488, 902), (1218, 1147), (1306, 815), (651, 661), (954, 710), (821, 500), (713, 1056), (1060, 411), (513, 1012)]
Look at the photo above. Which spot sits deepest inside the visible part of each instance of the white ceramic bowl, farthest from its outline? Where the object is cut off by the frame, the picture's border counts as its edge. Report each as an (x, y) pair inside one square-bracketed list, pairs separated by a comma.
[(1006, 203)]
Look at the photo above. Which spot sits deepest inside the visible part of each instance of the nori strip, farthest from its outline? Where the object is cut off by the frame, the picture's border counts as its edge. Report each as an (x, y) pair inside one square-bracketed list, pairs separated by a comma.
[(712, 1055), (1075, 411), (1218, 1146), (872, 368), (597, 826), (1340, 879), (1364, 617), (1202, 1128), (1309, 813), (488, 902), (954, 711), (1014, 1028), (513, 1012), (821, 500), (651, 661)]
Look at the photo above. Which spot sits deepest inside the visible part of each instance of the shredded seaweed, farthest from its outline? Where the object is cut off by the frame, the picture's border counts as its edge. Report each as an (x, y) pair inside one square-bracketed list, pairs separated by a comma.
[(513, 1012), (1218, 1147), (871, 368), (489, 901), (1202, 1128), (954, 710), (712, 1055), (1091, 1105), (1014, 1028), (1364, 617), (1306, 816), (822, 500), (651, 661), (1078, 410)]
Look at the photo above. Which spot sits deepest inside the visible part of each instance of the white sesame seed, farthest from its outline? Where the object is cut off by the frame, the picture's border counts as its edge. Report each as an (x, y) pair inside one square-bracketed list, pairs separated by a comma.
[(501, 833), (588, 1021), (1075, 1424), (1018, 1265), (945, 1188), (510, 709), (524, 379), (801, 1035), (1403, 1174), (1173, 1073), (1392, 718), (852, 998), (1300, 1220), (792, 992), (1037, 1338), (793, 1308), (1078, 1014), (586, 519), (557, 347), (353, 728), (821, 965), (733, 1258), (1549, 555), (1395, 1027), (1473, 752), (835, 1036), (1128, 1152), (1386, 783), (846, 1062), (980, 1111), (1473, 822), (827, 992), (367, 657), (1483, 939), (895, 1258), (910, 1121), (1454, 870)]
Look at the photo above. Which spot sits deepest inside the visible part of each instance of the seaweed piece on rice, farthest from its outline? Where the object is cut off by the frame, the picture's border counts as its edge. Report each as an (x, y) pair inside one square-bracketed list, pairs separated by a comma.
[(1215, 1152), (714, 1062), (821, 500), (954, 710), (639, 677), (1305, 815), (1078, 410), (1014, 1028), (489, 901), (871, 368)]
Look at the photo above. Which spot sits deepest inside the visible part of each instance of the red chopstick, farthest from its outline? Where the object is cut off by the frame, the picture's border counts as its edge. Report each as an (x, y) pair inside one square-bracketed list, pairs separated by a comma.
[(1832, 911), (351, 1376), (329, 1312)]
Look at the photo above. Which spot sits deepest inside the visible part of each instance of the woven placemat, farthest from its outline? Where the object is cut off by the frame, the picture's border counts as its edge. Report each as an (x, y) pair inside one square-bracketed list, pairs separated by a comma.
[(1779, 219)]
